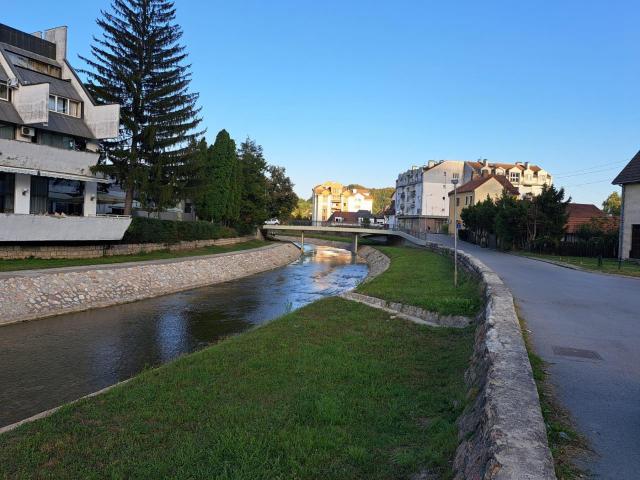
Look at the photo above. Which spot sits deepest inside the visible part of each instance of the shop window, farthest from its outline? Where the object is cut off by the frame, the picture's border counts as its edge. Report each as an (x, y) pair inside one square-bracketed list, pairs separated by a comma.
[(56, 195)]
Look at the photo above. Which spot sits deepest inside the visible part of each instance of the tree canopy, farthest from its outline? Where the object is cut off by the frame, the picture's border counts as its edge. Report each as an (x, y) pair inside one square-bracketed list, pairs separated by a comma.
[(612, 204)]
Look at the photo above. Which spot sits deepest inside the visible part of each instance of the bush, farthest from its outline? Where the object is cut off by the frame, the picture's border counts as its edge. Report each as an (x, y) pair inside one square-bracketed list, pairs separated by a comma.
[(151, 230)]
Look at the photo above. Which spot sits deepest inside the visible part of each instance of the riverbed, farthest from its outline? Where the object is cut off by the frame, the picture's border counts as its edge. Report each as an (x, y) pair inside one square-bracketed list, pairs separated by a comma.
[(46, 363)]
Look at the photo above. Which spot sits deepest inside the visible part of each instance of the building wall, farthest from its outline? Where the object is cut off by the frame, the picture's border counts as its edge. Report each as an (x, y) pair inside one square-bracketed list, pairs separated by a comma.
[(631, 215), (437, 185), (51, 228), (491, 188)]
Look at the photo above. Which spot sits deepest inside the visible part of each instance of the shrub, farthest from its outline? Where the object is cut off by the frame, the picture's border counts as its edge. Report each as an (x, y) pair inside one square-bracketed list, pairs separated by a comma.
[(151, 230)]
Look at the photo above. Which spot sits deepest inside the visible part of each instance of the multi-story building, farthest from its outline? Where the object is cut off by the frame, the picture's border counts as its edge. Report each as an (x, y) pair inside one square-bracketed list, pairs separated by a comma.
[(50, 129), (331, 197), (421, 202), (529, 179)]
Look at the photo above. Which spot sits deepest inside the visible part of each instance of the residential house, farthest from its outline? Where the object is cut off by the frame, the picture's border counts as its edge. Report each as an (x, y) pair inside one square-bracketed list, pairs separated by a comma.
[(421, 202), (330, 197), (355, 219), (629, 179), (529, 179), (50, 132), (477, 190), (579, 214)]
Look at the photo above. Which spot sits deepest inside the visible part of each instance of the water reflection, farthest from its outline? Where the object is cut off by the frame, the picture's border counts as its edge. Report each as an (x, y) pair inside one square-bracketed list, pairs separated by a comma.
[(48, 362)]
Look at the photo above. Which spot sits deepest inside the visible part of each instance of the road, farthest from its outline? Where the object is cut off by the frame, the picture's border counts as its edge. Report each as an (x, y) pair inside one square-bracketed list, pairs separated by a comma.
[(587, 327)]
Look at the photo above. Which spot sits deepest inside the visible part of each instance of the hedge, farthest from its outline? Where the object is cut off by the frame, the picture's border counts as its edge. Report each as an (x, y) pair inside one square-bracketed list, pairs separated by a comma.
[(151, 230)]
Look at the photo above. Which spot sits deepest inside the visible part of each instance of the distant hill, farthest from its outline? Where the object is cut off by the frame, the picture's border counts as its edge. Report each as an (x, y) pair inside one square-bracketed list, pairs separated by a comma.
[(381, 196)]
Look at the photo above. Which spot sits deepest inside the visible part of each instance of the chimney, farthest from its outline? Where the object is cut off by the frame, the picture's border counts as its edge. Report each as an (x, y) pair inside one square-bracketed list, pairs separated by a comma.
[(58, 36), (431, 163), (526, 165), (485, 162)]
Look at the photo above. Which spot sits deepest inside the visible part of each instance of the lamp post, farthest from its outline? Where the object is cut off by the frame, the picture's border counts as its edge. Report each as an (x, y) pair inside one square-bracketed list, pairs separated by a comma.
[(454, 181)]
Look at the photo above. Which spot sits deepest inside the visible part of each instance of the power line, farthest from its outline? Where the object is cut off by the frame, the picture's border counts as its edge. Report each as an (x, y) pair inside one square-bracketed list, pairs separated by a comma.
[(588, 183), (591, 168), (586, 173)]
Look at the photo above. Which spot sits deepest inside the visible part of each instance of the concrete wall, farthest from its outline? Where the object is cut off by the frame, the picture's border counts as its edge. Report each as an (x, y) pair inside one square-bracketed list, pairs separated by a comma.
[(32, 102), (630, 216), (16, 252), (38, 294), (21, 201), (50, 228)]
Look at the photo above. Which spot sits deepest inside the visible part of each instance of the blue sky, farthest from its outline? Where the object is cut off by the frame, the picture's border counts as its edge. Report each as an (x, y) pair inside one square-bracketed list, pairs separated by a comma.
[(357, 91)]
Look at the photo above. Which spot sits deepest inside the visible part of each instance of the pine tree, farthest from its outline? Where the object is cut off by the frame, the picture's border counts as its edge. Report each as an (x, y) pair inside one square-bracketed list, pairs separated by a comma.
[(140, 64), (253, 204), (281, 197)]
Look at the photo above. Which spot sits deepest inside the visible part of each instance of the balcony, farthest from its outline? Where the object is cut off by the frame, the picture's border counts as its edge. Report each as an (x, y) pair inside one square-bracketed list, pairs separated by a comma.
[(52, 228)]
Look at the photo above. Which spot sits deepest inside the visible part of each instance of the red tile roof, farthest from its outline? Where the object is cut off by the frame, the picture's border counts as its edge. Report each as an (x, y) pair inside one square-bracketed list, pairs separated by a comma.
[(476, 182), (582, 213)]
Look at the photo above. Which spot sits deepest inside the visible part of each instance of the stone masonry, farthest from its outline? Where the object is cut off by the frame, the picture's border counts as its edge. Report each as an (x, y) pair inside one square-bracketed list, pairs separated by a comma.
[(34, 294)]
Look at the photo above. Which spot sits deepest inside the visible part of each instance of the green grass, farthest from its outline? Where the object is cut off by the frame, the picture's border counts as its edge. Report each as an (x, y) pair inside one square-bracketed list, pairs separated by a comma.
[(609, 265), (335, 390), (565, 442), (38, 263), (425, 279)]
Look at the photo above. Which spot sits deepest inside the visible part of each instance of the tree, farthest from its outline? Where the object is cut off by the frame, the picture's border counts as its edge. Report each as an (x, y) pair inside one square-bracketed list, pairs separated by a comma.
[(612, 204), (548, 214), (302, 210), (139, 64), (510, 223), (218, 196), (281, 197), (253, 166)]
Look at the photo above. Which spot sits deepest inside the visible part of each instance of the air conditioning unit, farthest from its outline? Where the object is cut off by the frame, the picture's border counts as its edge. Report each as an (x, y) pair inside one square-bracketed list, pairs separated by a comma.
[(28, 132), (12, 83)]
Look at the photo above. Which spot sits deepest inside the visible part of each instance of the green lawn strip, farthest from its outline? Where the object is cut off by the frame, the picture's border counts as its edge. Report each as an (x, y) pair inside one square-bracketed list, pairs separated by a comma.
[(609, 265), (565, 442), (425, 279), (38, 263), (334, 390)]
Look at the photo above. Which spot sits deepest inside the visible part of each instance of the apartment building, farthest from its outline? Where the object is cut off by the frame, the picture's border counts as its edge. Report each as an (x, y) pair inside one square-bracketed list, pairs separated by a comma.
[(50, 129), (528, 179), (421, 198), (331, 197)]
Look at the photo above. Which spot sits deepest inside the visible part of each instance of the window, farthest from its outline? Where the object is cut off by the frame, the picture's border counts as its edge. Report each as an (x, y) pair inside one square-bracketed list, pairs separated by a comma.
[(64, 105), (466, 200), (7, 132), (36, 65), (56, 195), (514, 177), (455, 175), (57, 141), (4, 91), (457, 201), (6, 192)]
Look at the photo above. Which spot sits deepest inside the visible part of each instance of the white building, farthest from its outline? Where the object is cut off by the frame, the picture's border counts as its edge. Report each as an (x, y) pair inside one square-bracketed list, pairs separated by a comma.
[(629, 179), (50, 129), (528, 179), (421, 198), (331, 197)]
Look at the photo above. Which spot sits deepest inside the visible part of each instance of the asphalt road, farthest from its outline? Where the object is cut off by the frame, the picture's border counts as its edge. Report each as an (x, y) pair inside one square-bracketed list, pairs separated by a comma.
[(587, 327)]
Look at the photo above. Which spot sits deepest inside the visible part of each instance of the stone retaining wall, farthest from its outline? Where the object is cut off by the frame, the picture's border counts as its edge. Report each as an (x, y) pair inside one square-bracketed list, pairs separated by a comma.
[(26, 295), (17, 252), (502, 432)]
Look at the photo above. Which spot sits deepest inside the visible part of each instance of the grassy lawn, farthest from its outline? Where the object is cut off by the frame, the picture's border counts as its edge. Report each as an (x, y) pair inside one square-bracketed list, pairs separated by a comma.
[(425, 279), (609, 265), (335, 390), (37, 263)]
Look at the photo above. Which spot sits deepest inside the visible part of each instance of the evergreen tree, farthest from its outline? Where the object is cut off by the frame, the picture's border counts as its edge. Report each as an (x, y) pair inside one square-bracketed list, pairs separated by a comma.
[(140, 64), (253, 204), (281, 197)]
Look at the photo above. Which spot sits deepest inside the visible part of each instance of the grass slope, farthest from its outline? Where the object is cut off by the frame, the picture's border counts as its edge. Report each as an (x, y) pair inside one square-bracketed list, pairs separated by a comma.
[(425, 279), (38, 263), (335, 390)]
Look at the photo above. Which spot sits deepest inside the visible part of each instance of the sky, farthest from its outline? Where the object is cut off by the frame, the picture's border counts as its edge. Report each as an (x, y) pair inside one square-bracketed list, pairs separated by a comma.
[(359, 91)]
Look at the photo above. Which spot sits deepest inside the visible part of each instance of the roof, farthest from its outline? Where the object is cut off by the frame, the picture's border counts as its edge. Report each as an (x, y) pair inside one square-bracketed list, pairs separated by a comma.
[(3, 75), (477, 182), (66, 124), (630, 173), (581, 213), (57, 86), (8, 113), (504, 166)]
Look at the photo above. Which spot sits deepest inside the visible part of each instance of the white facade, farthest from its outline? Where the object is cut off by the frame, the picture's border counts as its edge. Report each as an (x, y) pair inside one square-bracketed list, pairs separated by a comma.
[(50, 129), (630, 221), (331, 197), (529, 179)]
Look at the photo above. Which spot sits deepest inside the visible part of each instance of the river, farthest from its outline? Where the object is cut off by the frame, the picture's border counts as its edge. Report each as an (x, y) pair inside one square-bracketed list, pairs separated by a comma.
[(45, 363)]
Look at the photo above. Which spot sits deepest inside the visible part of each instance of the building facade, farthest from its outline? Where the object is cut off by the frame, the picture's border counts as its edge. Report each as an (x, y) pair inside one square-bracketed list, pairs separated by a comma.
[(50, 129), (629, 179), (421, 197), (529, 179), (332, 197)]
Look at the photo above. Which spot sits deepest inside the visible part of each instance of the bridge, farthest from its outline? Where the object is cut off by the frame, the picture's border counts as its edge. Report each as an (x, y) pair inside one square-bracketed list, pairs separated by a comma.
[(355, 231)]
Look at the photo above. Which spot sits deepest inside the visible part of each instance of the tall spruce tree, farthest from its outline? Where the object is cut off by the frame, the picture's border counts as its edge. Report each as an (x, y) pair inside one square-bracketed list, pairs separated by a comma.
[(139, 63), (253, 204)]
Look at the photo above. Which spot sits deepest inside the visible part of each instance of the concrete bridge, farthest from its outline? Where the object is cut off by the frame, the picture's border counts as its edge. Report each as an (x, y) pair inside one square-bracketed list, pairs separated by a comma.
[(392, 235)]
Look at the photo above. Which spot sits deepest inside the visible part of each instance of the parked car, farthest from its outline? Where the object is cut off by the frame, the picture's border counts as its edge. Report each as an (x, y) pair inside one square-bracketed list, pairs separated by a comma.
[(272, 221)]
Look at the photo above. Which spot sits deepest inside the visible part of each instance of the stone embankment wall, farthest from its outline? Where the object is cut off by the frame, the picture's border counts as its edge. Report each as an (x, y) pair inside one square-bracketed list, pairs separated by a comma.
[(502, 432), (35, 294), (16, 252)]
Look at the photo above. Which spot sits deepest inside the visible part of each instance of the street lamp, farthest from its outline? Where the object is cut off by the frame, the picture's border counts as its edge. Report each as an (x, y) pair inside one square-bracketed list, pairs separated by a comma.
[(454, 181)]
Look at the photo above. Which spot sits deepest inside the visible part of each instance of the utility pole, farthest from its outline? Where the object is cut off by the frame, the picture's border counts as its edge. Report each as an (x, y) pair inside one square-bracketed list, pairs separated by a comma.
[(454, 181)]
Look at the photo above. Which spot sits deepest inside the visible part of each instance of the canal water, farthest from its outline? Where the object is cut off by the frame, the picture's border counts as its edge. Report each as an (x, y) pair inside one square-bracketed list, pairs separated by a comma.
[(45, 363)]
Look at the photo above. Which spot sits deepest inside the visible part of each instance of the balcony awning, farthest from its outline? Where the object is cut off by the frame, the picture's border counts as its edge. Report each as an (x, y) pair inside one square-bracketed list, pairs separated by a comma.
[(46, 173)]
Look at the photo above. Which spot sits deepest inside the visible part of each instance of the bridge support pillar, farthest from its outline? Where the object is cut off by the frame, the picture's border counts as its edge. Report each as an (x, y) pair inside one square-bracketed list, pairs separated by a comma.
[(302, 241), (355, 243)]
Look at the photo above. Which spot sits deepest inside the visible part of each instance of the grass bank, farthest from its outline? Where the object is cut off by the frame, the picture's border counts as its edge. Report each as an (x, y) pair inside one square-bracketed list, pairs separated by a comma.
[(425, 279), (335, 390), (38, 263), (609, 265)]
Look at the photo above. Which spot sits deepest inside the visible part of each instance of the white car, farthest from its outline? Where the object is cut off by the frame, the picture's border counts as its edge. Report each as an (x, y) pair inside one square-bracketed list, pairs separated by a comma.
[(272, 221)]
